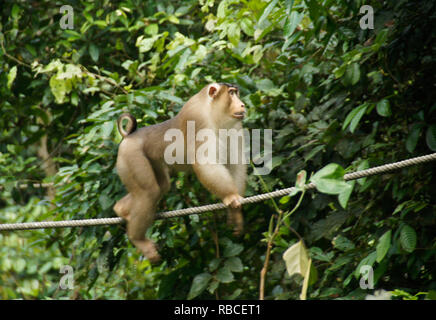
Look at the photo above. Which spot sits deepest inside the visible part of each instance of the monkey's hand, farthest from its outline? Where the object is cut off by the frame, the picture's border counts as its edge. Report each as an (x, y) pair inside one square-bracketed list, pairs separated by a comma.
[(233, 201)]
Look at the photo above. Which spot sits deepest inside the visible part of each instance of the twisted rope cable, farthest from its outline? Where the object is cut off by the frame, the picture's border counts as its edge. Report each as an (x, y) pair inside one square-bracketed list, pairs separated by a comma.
[(389, 167), (216, 206)]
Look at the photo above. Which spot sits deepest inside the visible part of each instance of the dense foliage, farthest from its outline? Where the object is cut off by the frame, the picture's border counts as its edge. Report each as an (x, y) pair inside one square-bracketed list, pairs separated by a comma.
[(331, 91)]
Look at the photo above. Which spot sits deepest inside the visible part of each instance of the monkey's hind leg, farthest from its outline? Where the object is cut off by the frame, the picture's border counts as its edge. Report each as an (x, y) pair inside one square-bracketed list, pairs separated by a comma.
[(141, 218), (137, 174)]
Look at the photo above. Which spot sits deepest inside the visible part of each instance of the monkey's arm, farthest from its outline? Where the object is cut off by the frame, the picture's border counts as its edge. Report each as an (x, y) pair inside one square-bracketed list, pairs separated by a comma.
[(234, 215), (218, 180), (239, 174)]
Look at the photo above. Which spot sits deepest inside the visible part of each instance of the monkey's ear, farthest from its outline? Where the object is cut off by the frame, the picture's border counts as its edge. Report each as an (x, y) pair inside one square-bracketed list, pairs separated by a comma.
[(212, 91)]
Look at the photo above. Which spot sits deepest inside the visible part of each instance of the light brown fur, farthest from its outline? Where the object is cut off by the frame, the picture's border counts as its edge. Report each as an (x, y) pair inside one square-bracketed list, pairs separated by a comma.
[(146, 175)]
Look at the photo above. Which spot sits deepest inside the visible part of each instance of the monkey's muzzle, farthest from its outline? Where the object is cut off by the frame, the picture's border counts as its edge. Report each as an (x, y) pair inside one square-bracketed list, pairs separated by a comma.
[(239, 115)]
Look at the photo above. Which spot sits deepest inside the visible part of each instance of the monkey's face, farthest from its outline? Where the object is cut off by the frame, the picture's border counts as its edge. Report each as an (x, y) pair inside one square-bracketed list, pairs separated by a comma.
[(236, 106), (227, 101)]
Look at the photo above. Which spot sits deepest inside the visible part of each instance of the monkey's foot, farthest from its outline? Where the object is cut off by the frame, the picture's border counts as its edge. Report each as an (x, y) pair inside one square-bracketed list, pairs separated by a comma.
[(233, 201), (239, 226), (235, 219), (154, 259), (148, 249), (122, 207)]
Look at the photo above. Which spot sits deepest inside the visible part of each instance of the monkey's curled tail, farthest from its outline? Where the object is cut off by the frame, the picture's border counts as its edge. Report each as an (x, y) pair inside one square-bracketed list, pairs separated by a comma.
[(131, 124)]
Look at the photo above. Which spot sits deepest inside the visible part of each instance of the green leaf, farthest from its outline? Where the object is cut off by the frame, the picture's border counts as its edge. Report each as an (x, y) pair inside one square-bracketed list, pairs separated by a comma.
[(293, 193), (234, 33), (199, 284), (183, 60), (408, 238), (357, 117), (368, 260), (384, 243), (213, 264), (382, 36), (343, 243), (93, 52), (168, 96), (222, 8), (431, 295), (6, 264), (31, 49), (105, 201), (59, 88), (267, 11), (352, 74), (265, 85), (235, 294), (430, 137), (296, 259), (354, 116), (173, 19), (362, 166), (284, 200), (145, 44), (330, 179), (289, 4), (19, 265), (152, 29), (344, 196), (301, 179), (314, 152), (11, 76), (224, 275), (384, 108), (213, 286), (318, 254), (247, 26), (100, 23), (74, 99), (292, 22), (234, 264), (232, 249), (15, 11), (339, 72), (413, 137)]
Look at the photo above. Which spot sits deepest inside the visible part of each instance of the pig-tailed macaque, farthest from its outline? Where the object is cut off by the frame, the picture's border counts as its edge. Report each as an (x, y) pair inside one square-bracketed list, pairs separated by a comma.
[(144, 166)]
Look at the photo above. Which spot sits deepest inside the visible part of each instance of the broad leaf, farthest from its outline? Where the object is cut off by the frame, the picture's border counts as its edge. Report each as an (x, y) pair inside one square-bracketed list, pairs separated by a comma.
[(384, 243), (384, 108), (11, 76), (94, 52), (199, 284), (292, 22), (234, 264), (408, 238), (330, 180), (430, 137), (343, 243), (225, 275), (296, 259), (352, 74), (267, 11), (232, 249), (413, 137), (354, 117)]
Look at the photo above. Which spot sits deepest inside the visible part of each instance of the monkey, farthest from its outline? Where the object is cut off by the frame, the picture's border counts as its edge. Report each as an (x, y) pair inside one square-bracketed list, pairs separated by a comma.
[(145, 173)]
